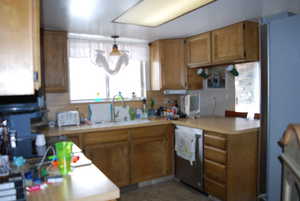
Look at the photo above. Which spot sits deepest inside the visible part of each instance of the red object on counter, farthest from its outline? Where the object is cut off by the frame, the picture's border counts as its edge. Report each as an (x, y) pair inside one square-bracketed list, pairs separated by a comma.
[(55, 163), (75, 159), (33, 188)]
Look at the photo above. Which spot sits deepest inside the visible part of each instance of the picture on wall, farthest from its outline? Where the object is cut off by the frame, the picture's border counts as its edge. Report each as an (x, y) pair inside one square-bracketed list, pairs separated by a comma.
[(217, 78)]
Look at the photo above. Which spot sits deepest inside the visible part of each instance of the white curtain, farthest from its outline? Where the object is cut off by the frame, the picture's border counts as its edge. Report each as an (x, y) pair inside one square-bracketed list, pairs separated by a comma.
[(85, 48)]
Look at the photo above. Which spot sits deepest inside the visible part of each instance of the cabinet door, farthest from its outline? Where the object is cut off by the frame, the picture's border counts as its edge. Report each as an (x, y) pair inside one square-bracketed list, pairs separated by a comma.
[(148, 159), (55, 61), (195, 82), (112, 159), (75, 139), (174, 71), (228, 44), (155, 66), (37, 44), (198, 49), (16, 42)]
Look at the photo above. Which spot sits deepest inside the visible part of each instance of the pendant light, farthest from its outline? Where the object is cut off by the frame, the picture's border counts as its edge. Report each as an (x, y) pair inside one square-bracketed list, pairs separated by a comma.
[(115, 50)]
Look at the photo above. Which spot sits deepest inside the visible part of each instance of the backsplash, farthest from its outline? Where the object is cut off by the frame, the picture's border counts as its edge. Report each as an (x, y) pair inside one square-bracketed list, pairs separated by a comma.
[(58, 102), (214, 101), (162, 100)]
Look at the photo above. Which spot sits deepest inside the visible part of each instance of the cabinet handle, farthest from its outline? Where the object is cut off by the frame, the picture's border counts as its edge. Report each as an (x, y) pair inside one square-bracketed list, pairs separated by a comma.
[(36, 76)]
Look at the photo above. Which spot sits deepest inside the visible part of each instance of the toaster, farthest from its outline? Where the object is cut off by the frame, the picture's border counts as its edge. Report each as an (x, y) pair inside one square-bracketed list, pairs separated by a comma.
[(68, 118)]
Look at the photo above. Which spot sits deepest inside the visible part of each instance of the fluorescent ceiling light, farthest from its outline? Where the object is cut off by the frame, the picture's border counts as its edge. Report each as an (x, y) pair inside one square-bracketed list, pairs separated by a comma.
[(153, 13), (82, 9)]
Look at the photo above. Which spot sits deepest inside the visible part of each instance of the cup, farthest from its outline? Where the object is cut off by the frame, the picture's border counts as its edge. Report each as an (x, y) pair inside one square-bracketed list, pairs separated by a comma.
[(40, 140), (64, 156)]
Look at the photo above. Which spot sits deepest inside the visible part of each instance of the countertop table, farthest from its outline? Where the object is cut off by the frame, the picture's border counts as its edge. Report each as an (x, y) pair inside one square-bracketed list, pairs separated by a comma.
[(86, 183)]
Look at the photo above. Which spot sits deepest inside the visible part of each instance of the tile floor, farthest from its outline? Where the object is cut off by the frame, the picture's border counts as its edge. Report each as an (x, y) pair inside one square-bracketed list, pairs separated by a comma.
[(168, 191)]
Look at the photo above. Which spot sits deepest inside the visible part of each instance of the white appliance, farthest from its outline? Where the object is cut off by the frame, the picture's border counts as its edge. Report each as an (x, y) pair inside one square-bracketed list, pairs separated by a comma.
[(191, 105), (68, 118)]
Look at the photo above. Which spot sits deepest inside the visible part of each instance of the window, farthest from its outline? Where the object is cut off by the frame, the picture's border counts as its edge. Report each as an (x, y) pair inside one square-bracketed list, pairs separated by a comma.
[(247, 88), (89, 83)]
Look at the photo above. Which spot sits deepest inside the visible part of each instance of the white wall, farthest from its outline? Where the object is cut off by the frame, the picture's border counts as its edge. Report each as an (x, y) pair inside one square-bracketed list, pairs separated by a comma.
[(271, 7)]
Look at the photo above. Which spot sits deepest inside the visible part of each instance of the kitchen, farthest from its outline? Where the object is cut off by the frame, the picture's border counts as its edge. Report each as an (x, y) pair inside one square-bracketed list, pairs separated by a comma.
[(63, 54)]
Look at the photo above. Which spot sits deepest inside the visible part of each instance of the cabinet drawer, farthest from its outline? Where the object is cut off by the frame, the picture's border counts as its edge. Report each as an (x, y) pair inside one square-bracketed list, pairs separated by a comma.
[(149, 131), (215, 140), (105, 137), (215, 189), (215, 171), (214, 154)]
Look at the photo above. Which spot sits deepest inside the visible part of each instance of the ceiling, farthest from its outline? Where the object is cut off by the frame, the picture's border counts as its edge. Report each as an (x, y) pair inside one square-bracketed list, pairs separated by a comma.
[(95, 16)]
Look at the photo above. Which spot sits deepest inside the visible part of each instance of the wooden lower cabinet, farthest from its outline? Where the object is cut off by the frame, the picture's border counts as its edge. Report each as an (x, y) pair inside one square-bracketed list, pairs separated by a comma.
[(129, 156), (75, 139), (214, 188), (230, 166), (148, 160), (112, 159)]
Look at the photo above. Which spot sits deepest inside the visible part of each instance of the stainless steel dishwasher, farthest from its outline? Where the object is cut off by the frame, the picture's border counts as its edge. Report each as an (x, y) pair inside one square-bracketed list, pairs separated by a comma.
[(187, 172)]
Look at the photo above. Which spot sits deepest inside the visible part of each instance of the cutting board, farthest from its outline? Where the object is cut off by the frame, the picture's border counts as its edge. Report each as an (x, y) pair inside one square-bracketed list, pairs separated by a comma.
[(99, 112)]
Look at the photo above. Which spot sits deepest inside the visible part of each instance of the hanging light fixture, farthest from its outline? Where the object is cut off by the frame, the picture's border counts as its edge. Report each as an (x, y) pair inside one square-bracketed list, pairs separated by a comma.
[(116, 60), (115, 50)]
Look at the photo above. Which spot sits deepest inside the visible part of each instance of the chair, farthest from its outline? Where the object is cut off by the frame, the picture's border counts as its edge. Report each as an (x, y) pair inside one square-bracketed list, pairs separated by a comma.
[(229, 113), (256, 116)]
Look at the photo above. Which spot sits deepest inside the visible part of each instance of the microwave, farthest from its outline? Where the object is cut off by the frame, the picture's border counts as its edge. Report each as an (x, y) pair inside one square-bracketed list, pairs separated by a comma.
[(192, 105)]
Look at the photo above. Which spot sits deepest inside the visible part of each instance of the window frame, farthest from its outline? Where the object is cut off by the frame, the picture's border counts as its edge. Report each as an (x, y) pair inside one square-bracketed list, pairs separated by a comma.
[(258, 66), (143, 75)]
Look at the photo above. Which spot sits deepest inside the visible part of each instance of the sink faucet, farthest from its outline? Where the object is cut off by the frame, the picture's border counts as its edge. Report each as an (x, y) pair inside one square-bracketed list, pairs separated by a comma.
[(114, 115)]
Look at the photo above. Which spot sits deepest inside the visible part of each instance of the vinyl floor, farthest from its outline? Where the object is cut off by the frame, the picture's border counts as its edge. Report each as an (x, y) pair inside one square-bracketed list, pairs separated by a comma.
[(169, 191)]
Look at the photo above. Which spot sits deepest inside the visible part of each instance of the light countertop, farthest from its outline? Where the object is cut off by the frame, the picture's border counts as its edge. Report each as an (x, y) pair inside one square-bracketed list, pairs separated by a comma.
[(223, 125), (85, 183)]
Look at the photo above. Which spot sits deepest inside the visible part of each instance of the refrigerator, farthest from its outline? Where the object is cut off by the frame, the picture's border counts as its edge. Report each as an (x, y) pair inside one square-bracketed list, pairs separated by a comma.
[(280, 59)]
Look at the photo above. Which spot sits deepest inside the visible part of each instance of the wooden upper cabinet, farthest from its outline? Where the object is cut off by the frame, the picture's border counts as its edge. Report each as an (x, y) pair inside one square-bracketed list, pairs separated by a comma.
[(155, 66), (55, 61), (174, 71), (198, 50), (195, 82), (167, 67), (19, 46), (37, 44), (235, 43)]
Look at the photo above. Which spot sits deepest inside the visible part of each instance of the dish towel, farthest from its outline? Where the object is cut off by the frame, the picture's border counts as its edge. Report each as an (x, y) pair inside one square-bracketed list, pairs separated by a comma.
[(185, 145)]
